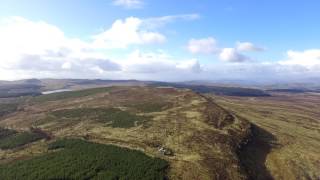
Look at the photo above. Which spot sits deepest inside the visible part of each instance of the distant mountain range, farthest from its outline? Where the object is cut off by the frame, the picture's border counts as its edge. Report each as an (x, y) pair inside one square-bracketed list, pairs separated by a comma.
[(236, 88)]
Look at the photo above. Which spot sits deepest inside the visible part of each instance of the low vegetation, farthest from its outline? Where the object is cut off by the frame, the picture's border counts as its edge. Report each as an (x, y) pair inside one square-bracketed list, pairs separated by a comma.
[(7, 109), (219, 90), (17, 90), (151, 107), (112, 116), (6, 132), (10, 139), (70, 94), (78, 159)]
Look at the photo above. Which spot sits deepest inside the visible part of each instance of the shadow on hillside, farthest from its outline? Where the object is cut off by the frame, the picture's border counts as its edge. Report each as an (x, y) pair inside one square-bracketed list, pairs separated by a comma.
[(253, 155)]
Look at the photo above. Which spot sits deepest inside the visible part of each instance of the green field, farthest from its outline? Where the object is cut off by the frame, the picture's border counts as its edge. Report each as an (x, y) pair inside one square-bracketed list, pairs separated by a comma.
[(112, 116), (81, 160)]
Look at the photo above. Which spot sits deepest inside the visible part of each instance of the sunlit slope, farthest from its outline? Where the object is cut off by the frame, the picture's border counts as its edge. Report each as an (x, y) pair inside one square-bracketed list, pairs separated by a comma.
[(287, 134), (198, 138)]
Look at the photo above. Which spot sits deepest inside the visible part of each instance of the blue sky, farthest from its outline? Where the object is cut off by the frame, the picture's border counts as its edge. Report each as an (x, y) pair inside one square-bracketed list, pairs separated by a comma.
[(170, 40)]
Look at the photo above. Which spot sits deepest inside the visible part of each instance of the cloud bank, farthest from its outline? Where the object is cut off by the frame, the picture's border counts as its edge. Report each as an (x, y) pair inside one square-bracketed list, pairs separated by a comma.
[(37, 49), (209, 46)]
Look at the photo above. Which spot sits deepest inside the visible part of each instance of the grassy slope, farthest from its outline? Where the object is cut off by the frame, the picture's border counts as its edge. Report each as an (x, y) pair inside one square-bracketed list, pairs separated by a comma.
[(113, 116), (151, 106), (288, 142), (203, 146)]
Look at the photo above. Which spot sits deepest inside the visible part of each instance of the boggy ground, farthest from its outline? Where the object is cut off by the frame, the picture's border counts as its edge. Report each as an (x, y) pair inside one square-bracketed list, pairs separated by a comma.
[(200, 138)]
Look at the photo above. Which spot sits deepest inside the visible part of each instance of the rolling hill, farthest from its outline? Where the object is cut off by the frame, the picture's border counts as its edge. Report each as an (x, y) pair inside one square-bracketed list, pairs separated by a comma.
[(145, 131), (198, 138)]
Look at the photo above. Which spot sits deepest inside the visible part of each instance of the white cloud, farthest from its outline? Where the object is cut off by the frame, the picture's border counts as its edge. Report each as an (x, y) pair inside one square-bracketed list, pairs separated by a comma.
[(129, 4), (308, 58), (20, 36), (158, 62), (136, 31), (66, 65), (248, 46), (104, 64), (209, 46), (38, 47), (127, 32), (192, 65), (203, 46), (232, 55), (160, 66)]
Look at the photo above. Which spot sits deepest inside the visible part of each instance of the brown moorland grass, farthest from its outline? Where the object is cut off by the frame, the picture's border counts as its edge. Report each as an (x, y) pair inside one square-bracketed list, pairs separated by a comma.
[(202, 135), (287, 143)]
